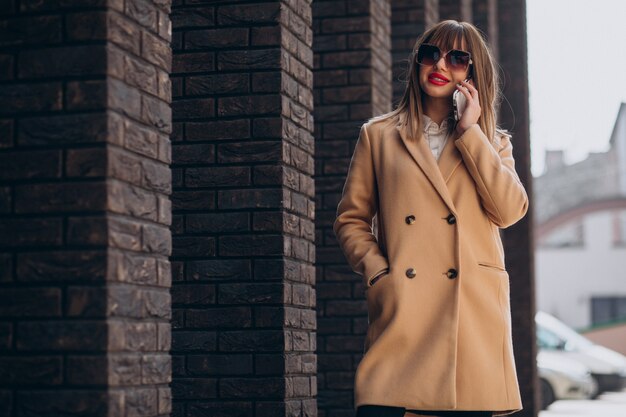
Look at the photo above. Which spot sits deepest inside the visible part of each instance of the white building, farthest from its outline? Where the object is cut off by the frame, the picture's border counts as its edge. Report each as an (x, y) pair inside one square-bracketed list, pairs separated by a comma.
[(580, 235)]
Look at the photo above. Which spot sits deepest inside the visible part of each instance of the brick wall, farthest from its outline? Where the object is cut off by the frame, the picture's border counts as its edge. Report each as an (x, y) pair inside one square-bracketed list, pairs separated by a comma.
[(484, 16), (431, 10), (352, 83), (84, 208), (460, 10), (518, 239), (408, 21), (243, 247), (85, 131)]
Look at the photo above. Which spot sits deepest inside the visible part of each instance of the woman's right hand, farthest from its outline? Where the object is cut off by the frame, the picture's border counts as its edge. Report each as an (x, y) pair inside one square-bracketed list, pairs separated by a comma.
[(472, 111)]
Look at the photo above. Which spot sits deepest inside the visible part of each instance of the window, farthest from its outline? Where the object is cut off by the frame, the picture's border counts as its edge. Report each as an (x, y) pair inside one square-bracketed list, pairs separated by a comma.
[(619, 228), (607, 309), (570, 235)]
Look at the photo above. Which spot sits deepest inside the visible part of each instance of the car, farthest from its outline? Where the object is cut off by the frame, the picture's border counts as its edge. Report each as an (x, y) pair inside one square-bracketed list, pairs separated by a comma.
[(562, 378), (608, 367)]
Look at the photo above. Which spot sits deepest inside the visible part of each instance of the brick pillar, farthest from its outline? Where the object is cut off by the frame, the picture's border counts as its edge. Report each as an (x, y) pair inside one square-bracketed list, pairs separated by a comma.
[(352, 83), (460, 10), (84, 208), (484, 15), (518, 238), (431, 12), (244, 325), (408, 22)]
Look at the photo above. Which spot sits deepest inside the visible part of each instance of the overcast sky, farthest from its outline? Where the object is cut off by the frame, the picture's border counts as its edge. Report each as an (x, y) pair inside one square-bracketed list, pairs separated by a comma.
[(577, 75)]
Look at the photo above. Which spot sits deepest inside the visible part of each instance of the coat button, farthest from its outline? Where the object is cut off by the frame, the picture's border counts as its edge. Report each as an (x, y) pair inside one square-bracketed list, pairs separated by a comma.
[(452, 273), (410, 272), (451, 219), (410, 219)]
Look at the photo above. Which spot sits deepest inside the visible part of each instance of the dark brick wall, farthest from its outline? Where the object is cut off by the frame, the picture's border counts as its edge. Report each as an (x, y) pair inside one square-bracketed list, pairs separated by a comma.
[(484, 16), (455, 9), (431, 10), (84, 208), (380, 46), (85, 129), (352, 45), (243, 209), (408, 21), (518, 239)]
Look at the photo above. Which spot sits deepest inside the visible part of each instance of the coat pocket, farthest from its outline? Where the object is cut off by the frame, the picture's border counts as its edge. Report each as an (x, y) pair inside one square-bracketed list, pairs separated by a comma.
[(382, 298), (491, 265)]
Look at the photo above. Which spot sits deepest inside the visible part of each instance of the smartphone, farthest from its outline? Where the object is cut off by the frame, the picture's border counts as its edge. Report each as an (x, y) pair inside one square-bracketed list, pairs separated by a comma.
[(459, 102)]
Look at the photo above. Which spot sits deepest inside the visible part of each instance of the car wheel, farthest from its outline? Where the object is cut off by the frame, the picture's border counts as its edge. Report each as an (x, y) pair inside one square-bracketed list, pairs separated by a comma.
[(598, 390), (547, 394)]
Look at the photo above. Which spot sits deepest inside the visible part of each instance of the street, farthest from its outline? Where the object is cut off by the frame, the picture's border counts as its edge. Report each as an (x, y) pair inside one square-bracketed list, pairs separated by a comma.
[(609, 404)]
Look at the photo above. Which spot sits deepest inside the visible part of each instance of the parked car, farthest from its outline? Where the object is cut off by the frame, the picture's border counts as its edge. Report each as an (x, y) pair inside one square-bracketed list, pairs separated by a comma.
[(562, 378), (607, 367)]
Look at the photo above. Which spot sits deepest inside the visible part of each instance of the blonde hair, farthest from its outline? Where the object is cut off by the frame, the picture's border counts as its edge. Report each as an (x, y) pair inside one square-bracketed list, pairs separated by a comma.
[(447, 34)]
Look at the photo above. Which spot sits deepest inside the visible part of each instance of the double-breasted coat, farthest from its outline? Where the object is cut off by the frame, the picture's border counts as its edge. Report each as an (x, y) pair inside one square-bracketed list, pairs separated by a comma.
[(439, 322)]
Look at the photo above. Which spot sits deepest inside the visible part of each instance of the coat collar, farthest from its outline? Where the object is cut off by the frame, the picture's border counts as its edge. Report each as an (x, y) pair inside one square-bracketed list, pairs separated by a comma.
[(437, 171)]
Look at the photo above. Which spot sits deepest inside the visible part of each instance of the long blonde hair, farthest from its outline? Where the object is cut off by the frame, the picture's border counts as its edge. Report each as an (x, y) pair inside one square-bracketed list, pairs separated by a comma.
[(446, 34)]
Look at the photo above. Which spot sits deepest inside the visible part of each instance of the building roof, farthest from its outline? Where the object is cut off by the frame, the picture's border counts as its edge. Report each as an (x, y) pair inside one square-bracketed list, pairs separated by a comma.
[(598, 177)]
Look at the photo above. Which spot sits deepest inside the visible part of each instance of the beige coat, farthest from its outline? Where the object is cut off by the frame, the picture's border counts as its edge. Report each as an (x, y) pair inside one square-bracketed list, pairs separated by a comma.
[(439, 333)]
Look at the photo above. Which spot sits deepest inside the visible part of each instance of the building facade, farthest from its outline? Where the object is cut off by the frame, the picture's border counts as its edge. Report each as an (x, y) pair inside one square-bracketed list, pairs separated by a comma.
[(580, 212)]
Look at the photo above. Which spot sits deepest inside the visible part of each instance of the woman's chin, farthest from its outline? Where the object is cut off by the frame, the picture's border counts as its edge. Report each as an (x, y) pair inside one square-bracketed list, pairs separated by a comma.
[(438, 94)]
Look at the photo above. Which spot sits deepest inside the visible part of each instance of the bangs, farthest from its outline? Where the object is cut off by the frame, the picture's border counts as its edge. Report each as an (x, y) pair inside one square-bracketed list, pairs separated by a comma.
[(448, 36)]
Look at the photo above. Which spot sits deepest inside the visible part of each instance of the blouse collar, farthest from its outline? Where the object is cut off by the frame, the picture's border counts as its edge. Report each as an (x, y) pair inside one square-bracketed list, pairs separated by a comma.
[(432, 126)]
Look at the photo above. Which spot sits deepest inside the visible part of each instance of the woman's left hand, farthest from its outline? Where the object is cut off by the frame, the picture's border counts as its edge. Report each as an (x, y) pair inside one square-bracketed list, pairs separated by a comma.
[(472, 110)]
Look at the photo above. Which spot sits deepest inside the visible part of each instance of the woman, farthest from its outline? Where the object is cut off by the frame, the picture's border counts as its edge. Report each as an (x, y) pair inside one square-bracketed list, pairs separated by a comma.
[(419, 219)]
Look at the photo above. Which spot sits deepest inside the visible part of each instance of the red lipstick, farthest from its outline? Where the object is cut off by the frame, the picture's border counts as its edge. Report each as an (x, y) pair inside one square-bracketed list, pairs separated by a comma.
[(437, 79)]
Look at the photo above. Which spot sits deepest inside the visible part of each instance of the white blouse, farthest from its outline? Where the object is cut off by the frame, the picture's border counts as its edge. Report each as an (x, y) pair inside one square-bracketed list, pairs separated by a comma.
[(435, 134)]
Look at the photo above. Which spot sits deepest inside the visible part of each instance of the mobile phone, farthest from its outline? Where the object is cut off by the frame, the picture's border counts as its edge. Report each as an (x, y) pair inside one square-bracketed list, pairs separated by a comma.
[(459, 103)]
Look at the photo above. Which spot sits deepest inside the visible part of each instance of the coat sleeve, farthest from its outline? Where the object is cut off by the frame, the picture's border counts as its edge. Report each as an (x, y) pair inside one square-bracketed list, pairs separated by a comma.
[(502, 194), (357, 207)]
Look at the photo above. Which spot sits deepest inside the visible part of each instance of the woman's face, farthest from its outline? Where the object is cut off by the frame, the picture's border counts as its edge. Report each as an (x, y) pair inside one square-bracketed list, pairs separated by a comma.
[(439, 80)]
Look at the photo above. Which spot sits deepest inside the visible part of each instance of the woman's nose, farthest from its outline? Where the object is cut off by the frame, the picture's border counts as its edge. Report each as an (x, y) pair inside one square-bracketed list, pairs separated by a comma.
[(441, 63)]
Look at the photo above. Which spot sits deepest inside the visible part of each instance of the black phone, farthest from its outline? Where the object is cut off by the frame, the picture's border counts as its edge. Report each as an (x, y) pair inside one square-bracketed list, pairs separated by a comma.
[(459, 103)]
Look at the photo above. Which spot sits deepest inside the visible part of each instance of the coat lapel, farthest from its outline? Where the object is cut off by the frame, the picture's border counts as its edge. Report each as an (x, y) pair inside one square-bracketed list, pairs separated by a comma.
[(438, 172), (450, 157)]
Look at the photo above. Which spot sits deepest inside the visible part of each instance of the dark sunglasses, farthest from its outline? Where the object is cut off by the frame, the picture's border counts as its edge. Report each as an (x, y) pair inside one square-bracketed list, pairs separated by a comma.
[(456, 59)]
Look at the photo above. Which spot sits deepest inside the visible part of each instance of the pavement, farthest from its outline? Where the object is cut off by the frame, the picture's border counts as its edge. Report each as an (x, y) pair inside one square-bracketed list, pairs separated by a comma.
[(608, 404)]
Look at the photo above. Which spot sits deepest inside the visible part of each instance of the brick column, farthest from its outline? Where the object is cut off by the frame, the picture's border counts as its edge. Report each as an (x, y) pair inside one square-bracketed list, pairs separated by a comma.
[(518, 239), (352, 83), (460, 10), (431, 12), (243, 247), (84, 208), (408, 22), (484, 15)]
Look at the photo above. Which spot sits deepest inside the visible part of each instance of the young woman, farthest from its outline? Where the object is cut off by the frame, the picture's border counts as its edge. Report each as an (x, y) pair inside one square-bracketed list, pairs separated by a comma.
[(419, 219)]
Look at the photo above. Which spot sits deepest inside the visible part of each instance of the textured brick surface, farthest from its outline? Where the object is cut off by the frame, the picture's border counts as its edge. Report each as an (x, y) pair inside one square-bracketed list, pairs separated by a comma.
[(243, 209), (89, 204), (85, 307), (408, 21), (518, 240), (352, 45)]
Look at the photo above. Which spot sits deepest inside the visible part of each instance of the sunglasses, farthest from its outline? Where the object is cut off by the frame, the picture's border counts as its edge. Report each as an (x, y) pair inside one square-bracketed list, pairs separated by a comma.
[(456, 59)]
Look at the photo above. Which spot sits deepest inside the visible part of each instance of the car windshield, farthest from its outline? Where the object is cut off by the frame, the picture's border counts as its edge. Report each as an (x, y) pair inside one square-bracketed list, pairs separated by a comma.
[(563, 331), (548, 340)]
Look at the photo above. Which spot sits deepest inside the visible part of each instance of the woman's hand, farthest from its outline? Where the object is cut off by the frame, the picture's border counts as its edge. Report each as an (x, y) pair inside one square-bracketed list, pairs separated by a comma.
[(472, 110)]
